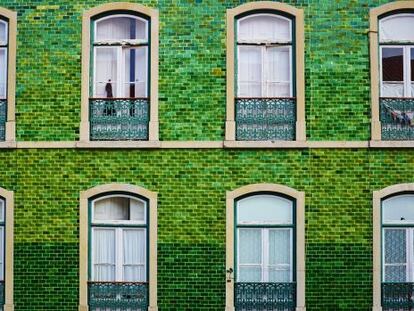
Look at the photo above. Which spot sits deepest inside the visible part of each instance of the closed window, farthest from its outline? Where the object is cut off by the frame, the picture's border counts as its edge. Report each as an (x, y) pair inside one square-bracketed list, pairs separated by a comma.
[(4, 34)]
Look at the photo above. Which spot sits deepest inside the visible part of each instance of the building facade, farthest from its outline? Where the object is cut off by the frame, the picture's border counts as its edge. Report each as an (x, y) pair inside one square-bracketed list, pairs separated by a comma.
[(206, 155)]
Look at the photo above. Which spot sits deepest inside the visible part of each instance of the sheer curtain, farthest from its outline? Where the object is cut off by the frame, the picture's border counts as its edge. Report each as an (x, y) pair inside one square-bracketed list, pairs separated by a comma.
[(103, 254), (3, 33), (262, 27), (278, 72), (135, 60), (250, 255), (250, 71), (395, 257), (134, 269), (115, 28), (280, 255), (114, 208), (106, 70), (3, 72), (397, 28)]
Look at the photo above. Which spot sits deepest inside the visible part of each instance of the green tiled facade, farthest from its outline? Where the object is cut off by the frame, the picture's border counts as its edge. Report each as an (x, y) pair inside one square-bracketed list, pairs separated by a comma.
[(192, 183)]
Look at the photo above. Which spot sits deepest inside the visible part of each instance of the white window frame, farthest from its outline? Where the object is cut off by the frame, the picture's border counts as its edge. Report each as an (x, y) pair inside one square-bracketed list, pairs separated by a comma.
[(406, 69), (265, 265), (120, 58), (119, 227), (265, 70)]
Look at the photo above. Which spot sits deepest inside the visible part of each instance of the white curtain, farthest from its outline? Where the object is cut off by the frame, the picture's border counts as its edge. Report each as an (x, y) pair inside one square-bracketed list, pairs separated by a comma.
[(114, 208), (395, 257), (278, 72), (106, 68), (3, 33), (398, 209), (397, 28), (280, 255), (121, 28), (250, 255), (264, 28), (250, 71), (2, 211), (103, 254), (137, 79), (134, 255), (2, 246), (137, 210), (3, 72)]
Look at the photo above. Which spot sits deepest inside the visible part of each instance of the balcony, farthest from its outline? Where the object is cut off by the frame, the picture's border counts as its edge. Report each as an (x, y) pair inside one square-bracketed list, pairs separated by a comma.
[(397, 296), (264, 119), (265, 296), (3, 118), (119, 118), (117, 296), (397, 118)]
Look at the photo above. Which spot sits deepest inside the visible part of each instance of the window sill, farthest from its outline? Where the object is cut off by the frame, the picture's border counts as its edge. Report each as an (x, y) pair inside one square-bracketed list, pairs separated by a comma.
[(119, 144), (391, 143), (265, 144), (8, 144)]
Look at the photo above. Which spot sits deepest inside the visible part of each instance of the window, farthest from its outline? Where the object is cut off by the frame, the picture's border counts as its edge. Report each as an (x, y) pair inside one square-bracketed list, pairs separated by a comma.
[(392, 72), (265, 49), (2, 248), (120, 72), (397, 251), (118, 258), (263, 259), (8, 21), (118, 248)]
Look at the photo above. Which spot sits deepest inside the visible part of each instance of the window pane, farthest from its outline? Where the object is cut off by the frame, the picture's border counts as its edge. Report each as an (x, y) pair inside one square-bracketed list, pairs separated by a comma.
[(264, 209), (134, 255), (114, 208), (397, 28), (104, 254), (398, 209), (3, 33), (250, 71), (392, 64), (279, 246), (250, 246), (278, 72), (106, 70), (2, 253), (137, 210), (279, 274), (264, 27), (135, 79), (395, 274), (3, 73), (2, 210), (395, 246), (250, 274), (412, 68), (121, 28)]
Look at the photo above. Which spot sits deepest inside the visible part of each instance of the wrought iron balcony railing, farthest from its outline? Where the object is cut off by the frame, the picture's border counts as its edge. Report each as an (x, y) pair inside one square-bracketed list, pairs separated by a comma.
[(119, 118), (397, 118), (397, 296), (3, 114), (265, 118), (118, 296), (265, 296)]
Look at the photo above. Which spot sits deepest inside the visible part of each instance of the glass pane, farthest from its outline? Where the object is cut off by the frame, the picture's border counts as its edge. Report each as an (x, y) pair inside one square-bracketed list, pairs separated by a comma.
[(264, 27), (3, 33), (412, 70), (279, 246), (104, 254), (106, 70), (395, 246), (398, 209), (2, 253), (395, 273), (264, 209), (136, 73), (121, 28), (250, 246), (397, 28), (3, 73), (279, 275), (2, 210), (114, 208), (392, 64), (137, 210), (250, 274), (250, 71), (134, 255), (278, 72)]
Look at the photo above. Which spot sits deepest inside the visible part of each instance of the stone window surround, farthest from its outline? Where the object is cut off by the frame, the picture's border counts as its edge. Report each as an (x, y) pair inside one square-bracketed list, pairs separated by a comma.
[(83, 238), (298, 15), (299, 196), (86, 44), (11, 75)]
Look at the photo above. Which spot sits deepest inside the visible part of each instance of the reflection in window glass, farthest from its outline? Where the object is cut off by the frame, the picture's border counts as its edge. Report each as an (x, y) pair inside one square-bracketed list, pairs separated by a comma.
[(392, 64)]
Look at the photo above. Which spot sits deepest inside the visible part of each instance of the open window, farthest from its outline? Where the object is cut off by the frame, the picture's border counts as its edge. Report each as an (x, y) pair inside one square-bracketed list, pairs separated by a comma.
[(265, 73), (119, 97)]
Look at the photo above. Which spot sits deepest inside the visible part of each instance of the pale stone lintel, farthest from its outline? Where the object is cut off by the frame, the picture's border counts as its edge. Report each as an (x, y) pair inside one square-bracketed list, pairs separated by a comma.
[(191, 144), (391, 144), (118, 144), (264, 144)]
